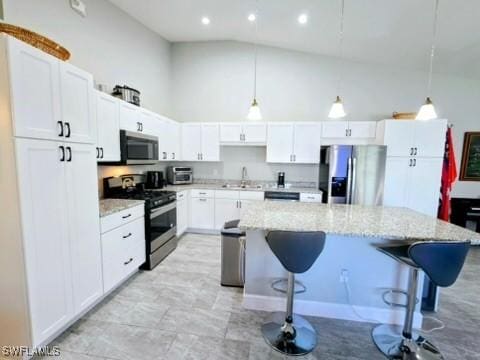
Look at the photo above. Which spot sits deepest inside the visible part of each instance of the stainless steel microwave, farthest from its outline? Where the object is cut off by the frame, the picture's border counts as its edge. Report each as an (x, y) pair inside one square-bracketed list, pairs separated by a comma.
[(137, 148)]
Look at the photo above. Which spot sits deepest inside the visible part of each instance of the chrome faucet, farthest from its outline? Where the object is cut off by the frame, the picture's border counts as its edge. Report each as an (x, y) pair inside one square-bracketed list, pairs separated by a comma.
[(244, 177)]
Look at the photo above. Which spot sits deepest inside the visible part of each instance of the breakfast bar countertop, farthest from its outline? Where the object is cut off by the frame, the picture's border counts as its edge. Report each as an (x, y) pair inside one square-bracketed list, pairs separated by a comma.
[(352, 220)]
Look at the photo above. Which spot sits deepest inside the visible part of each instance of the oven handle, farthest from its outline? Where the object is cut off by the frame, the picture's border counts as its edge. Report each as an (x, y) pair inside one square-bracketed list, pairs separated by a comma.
[(163, 209)]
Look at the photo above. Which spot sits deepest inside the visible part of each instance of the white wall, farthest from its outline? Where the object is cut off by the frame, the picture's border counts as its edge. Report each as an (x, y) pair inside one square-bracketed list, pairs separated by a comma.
[(212, 81), (108, 43)]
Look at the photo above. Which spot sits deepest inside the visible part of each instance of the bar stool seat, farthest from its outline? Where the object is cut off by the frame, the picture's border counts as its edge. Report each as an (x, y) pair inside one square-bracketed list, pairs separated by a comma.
[(442, 262), (297, 251)]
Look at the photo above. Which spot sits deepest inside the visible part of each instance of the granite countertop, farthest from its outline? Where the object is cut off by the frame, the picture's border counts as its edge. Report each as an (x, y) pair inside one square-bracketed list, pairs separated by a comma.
[(352, 220), (111, 206), (219, 186)]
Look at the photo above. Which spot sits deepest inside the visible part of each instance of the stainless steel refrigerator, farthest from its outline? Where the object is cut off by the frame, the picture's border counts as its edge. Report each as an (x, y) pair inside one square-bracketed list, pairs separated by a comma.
[(353, 174)]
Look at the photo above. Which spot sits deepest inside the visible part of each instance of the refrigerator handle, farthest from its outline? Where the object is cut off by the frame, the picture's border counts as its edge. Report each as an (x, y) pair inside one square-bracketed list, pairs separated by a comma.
[(354, 180), (349, 181)]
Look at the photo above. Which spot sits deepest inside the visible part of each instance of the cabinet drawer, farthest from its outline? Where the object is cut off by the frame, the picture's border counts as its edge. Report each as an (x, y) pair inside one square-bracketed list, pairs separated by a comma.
[(120, 218), (196, 193), (135, 257), (226, 194), (252, 195), (116, 242), (307, 197), (182, 195)]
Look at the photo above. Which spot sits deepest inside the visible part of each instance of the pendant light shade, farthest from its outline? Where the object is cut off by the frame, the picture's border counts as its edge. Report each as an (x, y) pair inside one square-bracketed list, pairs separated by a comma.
[(427, 111), (337, 111), (254, 113)]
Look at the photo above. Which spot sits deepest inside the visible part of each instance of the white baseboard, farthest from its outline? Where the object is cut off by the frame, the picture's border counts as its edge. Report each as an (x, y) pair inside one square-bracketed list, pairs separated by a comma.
[(331, 310)]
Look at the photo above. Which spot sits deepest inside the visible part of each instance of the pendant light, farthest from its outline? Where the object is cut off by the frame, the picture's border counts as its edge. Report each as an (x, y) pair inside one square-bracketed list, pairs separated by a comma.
[(254, 113), (337, 111), (427, 111)]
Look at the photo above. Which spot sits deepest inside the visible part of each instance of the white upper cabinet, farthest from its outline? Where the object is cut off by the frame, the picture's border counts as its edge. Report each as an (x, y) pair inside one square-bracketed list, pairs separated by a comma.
[(108, 127), (129, 117), (293, 142), (413, 137), (306, 143), (169, 139), (35, 91), (200, 142), (339, 129), (210, 143), (83, 225), (148, 121), (243, 133), (76, 94), (280, 142)]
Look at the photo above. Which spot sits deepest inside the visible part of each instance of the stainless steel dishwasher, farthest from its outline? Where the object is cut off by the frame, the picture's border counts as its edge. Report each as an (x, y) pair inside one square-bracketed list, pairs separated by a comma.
[(233, 255)]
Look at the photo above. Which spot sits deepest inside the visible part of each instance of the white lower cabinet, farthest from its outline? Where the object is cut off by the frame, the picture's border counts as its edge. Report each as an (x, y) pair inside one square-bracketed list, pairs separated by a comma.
[(60, 228), (123, 247), (226, 210), (182, 212), (311, 197), (202, 213)]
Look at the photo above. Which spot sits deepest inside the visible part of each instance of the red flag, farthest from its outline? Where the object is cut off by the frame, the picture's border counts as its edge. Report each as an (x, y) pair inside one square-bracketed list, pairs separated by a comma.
[(449, 175)]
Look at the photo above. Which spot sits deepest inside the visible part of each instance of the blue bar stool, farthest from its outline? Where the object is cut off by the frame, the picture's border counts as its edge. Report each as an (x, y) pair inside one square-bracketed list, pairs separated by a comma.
[(442, 262), (297, 251)]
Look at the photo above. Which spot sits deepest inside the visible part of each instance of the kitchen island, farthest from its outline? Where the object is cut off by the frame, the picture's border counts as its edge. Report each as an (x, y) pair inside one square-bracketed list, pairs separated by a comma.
[(349, 278)]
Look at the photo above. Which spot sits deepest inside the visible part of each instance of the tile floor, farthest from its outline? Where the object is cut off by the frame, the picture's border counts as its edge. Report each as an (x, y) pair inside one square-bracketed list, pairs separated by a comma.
[(179, 311)]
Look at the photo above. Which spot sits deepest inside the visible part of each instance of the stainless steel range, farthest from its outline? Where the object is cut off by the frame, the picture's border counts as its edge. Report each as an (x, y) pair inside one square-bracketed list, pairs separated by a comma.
[(160, 214)]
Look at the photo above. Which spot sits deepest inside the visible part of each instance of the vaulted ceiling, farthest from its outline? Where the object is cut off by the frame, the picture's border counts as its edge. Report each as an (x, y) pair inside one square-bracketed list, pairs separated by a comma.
[(388, 32)]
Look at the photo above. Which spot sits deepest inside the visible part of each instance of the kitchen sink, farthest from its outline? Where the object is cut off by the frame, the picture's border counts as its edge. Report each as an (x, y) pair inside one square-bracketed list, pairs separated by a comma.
[(242, 187)]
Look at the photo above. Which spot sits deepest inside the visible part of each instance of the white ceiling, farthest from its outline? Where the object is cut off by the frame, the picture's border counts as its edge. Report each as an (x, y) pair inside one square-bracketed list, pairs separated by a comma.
[(376, 31)]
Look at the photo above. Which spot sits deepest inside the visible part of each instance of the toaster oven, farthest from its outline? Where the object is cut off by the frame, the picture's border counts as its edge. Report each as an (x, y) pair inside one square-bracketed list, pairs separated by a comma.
[(179, 175)]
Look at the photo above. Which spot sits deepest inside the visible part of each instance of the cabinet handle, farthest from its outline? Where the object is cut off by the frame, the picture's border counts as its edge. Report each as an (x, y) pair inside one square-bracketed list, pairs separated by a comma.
[(350, 132), (310, 197), (202, 199), (240, 204), (410, 163), (138, 126), (98, 152), (62, 150), (416, 151), (173, 156), (128, 262), (69, 151), (411, 151), (164, 155), (68, 132), (294, 158), (126, 216), (101, 153), (127, 236), (346, 132), (141, 126), (60, 127), (414, 162)]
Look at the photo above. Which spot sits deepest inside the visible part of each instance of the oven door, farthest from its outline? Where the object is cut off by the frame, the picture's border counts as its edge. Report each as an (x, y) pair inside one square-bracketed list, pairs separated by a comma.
[(139, 148), (183, 177), (163, 225)]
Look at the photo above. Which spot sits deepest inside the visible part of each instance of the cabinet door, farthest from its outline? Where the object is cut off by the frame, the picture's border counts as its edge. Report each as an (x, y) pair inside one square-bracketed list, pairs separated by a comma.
[(175, 140), (334, 129), (35, 91), (191, 141), (210, 143), (398, 136), (255, 133), (148, 123), (182, 216), (84, 225), (76, 94), (362, 129), (397, 186), (280, 143), (231, 133), (45, 236), (108, 127), (226, 210), (430, 138), (424, 184), (202, 213), (306, 143), (129, 117)]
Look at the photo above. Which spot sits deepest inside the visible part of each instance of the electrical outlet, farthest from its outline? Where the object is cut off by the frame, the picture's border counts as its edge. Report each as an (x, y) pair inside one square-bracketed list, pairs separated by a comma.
[(344, 276), (79, 6)]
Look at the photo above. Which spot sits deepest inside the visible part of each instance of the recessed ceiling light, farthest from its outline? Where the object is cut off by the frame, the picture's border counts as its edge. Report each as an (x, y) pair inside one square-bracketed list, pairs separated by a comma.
[(303, 19), (205, 20), (252, 17)]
